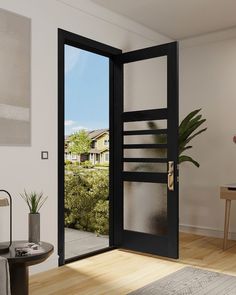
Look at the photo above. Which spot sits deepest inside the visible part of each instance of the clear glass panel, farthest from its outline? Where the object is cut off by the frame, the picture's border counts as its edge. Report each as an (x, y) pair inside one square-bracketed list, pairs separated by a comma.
[(145, 85), (145, 207), (86, 152), (145, 167), (145, 153), (145, 125)]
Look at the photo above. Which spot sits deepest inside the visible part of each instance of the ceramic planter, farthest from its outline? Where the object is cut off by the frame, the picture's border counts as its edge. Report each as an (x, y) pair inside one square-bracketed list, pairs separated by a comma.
[(34, 228)]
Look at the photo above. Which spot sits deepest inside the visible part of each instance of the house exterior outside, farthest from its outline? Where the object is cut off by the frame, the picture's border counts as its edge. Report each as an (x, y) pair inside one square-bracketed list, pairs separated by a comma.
[(99, 152)]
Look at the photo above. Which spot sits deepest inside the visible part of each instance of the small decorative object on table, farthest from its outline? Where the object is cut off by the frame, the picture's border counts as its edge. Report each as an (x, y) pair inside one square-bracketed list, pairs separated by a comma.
[(28, 249), (35, 202)]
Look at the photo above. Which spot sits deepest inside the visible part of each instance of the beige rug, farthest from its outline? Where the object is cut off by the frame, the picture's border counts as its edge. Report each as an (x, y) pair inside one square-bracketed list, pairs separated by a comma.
[(191, 281)]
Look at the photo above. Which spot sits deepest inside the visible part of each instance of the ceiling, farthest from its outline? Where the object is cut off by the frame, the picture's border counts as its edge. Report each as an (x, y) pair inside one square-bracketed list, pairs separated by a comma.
[(177, 19)]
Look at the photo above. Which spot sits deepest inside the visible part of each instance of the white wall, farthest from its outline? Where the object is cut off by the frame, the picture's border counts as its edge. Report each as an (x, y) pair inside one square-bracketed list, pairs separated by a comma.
[(208, 81), (21, 167)]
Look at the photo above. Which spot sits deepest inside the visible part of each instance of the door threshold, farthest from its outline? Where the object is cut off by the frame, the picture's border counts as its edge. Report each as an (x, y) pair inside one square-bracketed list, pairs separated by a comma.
[(149, 255), (87, 255)]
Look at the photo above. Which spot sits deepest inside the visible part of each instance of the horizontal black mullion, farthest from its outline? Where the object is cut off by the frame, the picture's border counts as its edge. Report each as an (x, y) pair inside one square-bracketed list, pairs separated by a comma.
[(141, 54), (145, 177), (145, 146), (145, 160), (145, 132), (146, 115)]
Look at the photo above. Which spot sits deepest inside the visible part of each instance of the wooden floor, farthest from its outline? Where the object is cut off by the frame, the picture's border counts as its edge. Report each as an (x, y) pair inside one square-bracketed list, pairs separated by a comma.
[(120, 272)]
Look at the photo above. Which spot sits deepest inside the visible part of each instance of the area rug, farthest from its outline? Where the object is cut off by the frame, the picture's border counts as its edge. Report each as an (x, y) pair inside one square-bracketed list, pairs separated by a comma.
[(191, 281)]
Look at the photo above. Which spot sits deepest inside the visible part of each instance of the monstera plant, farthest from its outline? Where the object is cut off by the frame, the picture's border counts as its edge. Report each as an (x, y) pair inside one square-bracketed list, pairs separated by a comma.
[(188, 129)]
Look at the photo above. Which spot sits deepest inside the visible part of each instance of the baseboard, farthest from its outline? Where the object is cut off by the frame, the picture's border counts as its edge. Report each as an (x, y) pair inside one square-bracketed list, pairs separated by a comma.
[(205, 231)]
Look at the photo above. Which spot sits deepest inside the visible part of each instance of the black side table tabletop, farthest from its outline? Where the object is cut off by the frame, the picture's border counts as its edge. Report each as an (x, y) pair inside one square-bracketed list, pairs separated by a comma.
[(18, 265)]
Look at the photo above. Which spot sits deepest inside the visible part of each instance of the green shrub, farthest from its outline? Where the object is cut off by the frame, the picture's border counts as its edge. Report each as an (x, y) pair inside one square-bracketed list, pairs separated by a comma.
[(87, 164), (68, 162), (101, 212), (102, 165), (83, 191)]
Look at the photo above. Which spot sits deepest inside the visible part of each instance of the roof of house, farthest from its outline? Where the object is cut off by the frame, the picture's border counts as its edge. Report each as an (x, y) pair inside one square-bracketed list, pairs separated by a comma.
[(96, 151), (96, 133), (92, 133)]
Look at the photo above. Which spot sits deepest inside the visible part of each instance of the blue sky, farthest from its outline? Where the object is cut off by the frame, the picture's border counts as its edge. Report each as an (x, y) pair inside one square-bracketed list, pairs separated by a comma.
[(86, 90)]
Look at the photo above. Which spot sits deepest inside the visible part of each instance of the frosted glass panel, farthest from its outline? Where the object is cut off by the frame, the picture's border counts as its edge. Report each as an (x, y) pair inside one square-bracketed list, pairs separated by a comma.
[(145, 153), (152, 139), (145, 207), (145, 167), (145, 125), (145, 84)]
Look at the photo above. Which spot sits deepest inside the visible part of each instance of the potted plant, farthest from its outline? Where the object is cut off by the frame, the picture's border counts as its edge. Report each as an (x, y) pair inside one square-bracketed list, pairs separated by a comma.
[(187, 127), (35, 201)]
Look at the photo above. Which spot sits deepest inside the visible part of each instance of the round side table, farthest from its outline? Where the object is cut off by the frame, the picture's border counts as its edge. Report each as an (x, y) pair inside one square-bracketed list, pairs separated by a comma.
[(19, 265)]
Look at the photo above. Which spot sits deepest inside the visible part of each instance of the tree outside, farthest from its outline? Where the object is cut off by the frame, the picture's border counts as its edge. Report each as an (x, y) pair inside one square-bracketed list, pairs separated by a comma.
[(79, 143)]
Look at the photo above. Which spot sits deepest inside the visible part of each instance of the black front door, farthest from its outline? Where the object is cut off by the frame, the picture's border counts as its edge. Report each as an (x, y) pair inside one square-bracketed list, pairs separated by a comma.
[(146, 200)]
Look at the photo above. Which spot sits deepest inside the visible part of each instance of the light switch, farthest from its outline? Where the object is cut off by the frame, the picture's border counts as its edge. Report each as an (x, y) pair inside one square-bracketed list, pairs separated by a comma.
[(44, 155)]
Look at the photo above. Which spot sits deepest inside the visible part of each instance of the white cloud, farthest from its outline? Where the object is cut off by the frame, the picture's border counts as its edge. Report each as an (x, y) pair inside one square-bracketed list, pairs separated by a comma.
[(69, 122)]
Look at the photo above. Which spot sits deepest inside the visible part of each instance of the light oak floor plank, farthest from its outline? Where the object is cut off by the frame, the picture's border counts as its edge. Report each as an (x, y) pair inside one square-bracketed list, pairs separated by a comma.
[(119, 272)]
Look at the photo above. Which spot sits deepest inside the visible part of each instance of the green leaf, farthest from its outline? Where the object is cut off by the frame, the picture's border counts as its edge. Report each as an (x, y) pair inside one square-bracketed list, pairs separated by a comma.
[(197, 133), (189, 124), (33, 200), (182, 145), (191, 129), (184, 149), (187, 131), (188, 118), (184, 158)]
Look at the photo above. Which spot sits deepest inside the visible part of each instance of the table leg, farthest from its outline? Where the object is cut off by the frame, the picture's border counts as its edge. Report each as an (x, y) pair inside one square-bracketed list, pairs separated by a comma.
[(226, 228), (19, 275)]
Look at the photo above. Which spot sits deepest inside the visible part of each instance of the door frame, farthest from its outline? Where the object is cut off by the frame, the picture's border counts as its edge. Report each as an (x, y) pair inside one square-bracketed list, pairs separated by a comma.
[(72, 39)]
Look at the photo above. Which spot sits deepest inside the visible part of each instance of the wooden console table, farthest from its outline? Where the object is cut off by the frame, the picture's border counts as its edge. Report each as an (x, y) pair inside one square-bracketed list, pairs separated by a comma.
[(228, 193)]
